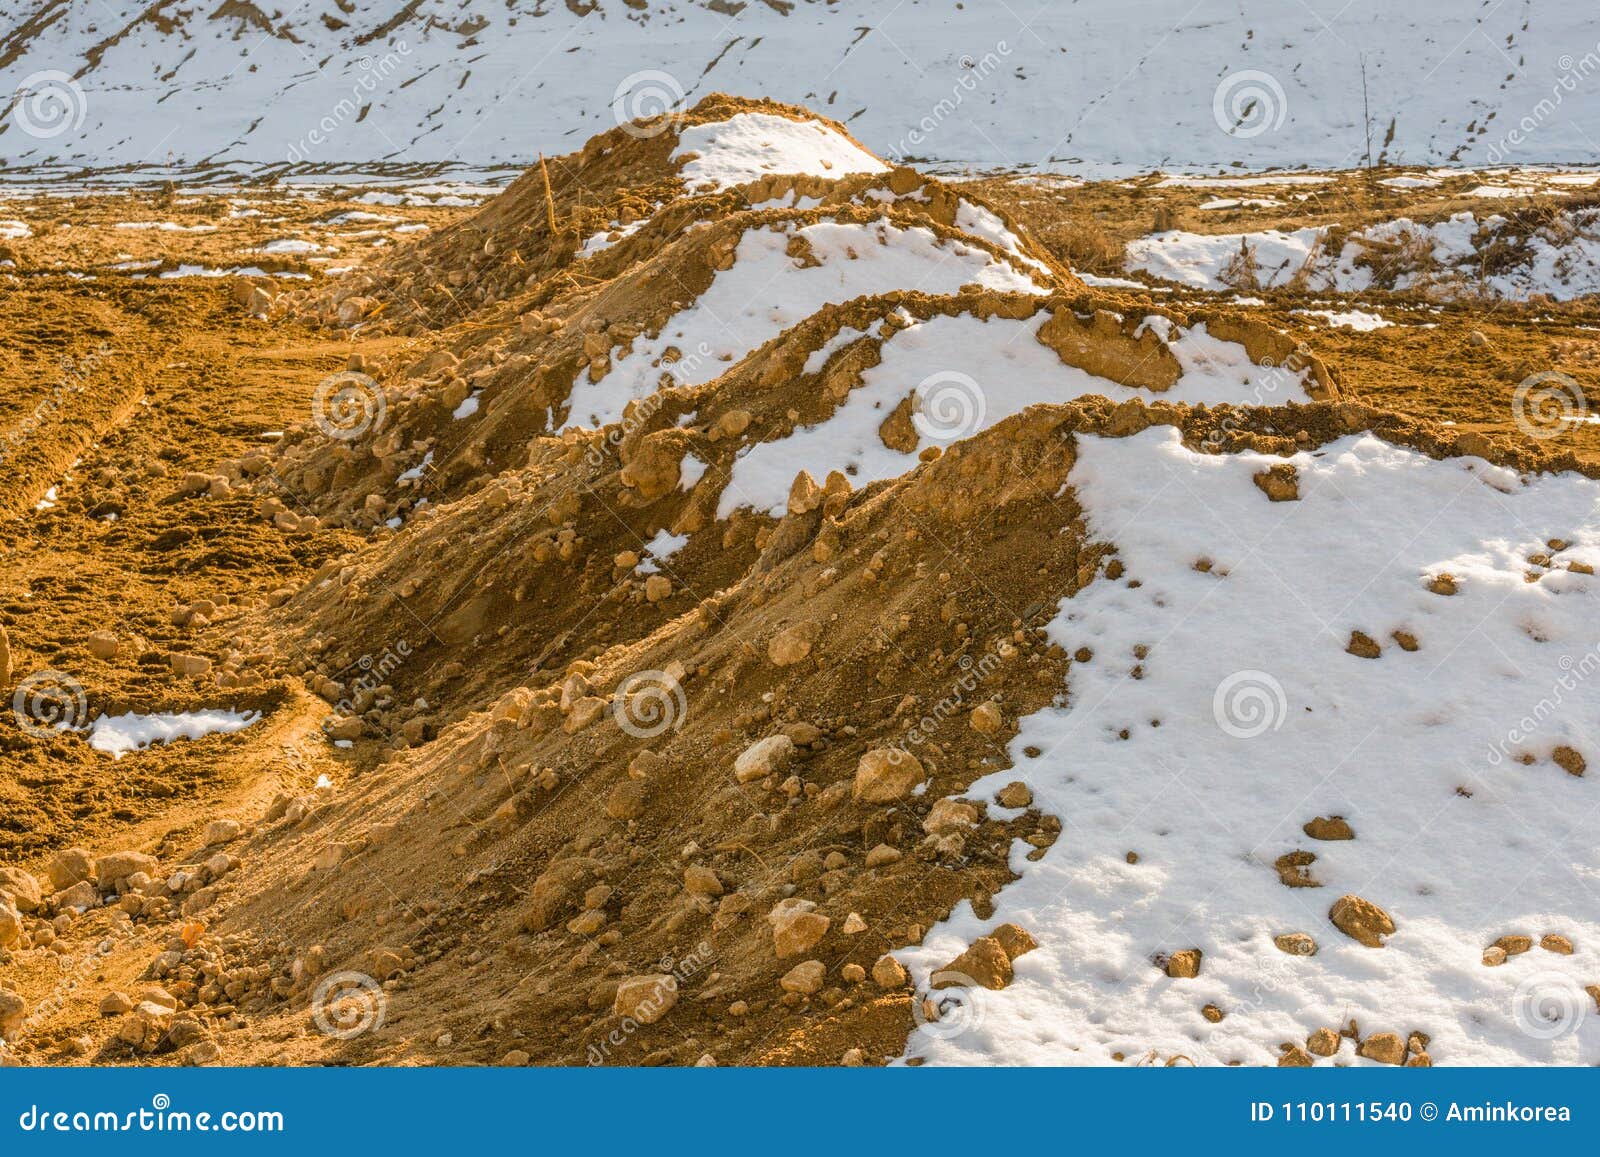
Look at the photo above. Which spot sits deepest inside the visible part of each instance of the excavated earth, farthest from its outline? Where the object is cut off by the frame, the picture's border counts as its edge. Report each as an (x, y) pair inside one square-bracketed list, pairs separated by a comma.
[(580, 720)]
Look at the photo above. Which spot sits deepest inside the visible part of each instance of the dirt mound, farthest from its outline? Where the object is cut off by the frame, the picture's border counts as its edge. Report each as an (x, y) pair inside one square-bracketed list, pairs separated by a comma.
[(565, 209)]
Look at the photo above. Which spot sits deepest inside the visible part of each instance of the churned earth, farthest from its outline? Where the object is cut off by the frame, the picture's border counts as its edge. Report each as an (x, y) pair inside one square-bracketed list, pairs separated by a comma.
[(728, 599)]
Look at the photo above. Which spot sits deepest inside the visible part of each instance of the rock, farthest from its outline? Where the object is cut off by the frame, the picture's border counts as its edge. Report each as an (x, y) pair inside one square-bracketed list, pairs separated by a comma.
[(805, 978), (80, 897), (1184, 964), (769, 756), (646, 999), (22, 887), (889, 972), (118, 866), (384, 964), (1295, 1057), (220, 832), (853, 925), (203, 1052), (1296, 944), (1294, 869), (558, 890), (1361, 920), (1569, 760), (887, 774), (189, 666), (1015, 940), (1553, 942), (949, 815), (852, 974), (882, 855), (1328, 828), (1443, 584), (584, 712), (102, 644), (699, 880), (1419, 1061), (1494, 956), (1323, 1043), (792, 644), (1015, 794), (627, 799), (1477, 339), (1515, 945), (985, 719), (344, 728), (1279, 483), (984, 963), (796, 926), (1384, 1047), (853, 1058), (1212, 1013), (1362, 646), (145, 1027), (11, 927), (13, 1011), (68, 867), (515, 1059), (657, 588), (115, 1004)]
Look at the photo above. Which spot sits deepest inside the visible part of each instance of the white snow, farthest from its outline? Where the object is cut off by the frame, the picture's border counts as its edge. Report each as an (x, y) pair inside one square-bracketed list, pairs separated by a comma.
[(1266, 722), (1355, 319), (119, 734), (1409, 183), (766, 291), (748, 146), (1564, 259), (467, 408), (965, 375), (14, 230), (291, 245)]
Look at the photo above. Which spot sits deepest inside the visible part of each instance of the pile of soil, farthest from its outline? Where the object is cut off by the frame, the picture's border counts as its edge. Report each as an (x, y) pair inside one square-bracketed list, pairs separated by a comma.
[(525, 792)]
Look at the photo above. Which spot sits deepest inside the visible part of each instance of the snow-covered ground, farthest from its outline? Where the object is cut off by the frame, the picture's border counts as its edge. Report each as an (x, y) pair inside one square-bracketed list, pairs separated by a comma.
[(767, 290), (1100, 84), (966, 374), (1562, 260), (1246, 717)]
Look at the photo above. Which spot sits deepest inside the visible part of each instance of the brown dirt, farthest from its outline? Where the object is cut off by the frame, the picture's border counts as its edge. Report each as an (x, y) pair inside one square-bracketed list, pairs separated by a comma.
[(491, 844)]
